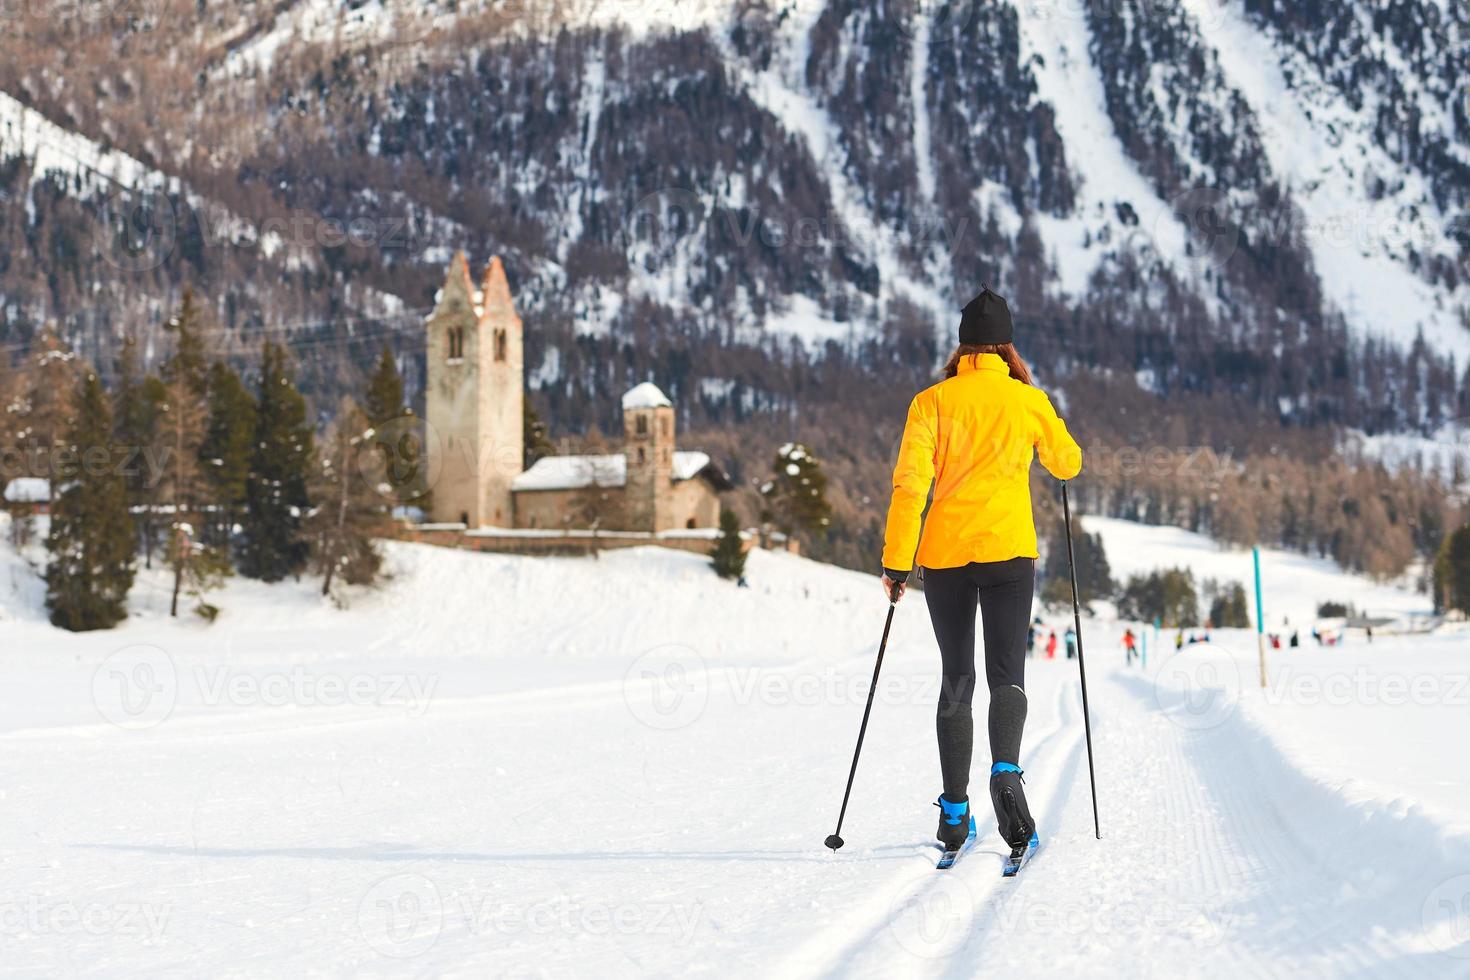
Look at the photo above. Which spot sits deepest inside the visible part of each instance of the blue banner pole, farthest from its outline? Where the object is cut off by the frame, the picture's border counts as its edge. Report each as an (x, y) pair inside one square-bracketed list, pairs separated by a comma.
[(1260, 616)]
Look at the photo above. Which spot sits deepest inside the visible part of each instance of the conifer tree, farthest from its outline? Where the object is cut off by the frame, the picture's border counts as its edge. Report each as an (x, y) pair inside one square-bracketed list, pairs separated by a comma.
[(276, 496), (1228, 606), (796, 494), (398, 438), (384, 397), (91, 538), (44, 414), (183, 487), (728, 556), (226, 452), (348, 510), (1452, 572), (533, 435), (188, 361), (137, 405), (1094, 575)]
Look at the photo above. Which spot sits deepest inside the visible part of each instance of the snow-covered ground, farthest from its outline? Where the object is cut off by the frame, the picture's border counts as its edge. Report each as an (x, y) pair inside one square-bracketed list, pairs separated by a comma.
[(567, 767)]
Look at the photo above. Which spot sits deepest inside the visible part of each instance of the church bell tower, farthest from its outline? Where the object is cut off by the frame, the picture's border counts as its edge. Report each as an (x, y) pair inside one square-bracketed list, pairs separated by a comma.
[(475, 397)]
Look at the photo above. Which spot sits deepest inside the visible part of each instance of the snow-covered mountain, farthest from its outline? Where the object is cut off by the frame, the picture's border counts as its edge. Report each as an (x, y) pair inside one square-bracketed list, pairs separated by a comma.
[(1201, 198)]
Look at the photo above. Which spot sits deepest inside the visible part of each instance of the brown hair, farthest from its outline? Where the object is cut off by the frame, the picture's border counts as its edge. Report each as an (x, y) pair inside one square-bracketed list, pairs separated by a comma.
[(1008, 353)]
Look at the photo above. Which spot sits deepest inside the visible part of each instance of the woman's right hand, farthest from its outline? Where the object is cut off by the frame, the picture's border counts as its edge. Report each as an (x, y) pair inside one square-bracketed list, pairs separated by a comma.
[(893, 591)]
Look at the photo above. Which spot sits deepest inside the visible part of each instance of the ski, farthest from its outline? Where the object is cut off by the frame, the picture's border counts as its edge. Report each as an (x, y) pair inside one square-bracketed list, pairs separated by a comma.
[(951, 855), (1018, 857)]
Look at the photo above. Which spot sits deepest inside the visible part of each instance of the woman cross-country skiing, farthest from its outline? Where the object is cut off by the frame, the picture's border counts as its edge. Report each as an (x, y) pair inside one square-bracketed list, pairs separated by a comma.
[(971, 437)]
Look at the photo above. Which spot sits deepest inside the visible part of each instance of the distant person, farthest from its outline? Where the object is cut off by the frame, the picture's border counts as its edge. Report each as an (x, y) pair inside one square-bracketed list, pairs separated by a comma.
[(1051, 646), (1031, 638), (1369, 630), (1071, 640), (1295, 641), (1130, 645), (1317, 635), (977, 545), (1179, 641)]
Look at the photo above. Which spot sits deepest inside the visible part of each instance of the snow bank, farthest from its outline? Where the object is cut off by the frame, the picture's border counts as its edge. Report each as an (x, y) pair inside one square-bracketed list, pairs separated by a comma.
[(1293, 584)]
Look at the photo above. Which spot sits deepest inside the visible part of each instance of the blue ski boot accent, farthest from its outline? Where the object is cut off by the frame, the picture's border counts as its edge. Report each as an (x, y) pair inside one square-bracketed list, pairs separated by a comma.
[(957, 830)]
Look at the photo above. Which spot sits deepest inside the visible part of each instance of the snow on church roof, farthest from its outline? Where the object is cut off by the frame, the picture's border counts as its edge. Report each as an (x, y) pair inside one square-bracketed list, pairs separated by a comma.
[(611, 470), (28, 490), (646, 395)]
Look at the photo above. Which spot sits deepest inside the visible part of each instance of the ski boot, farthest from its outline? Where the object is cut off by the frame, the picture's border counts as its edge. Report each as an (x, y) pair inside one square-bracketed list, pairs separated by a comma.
[(1012, 815), (956, 823)]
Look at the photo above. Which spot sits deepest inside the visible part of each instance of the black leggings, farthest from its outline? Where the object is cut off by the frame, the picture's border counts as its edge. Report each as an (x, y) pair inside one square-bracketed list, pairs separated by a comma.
[(1003, 591)]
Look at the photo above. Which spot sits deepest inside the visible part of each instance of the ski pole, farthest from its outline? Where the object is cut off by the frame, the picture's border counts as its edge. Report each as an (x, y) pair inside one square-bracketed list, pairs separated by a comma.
[(1081, 665), (835, 841)]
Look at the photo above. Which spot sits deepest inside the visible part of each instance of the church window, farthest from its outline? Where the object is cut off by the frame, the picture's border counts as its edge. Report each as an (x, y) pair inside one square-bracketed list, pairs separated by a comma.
[(641, 425), (689, 523), (641, 457), (456, 343), (500, 345)]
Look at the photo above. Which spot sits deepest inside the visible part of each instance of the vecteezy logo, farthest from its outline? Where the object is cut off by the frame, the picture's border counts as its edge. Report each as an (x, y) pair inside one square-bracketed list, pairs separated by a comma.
[(136, 687), (401, 916), (1205, 214), (664, 227), (1199, 687), (405, 460), (1447, 917), (667, 687), (137, 230), (936, 921)]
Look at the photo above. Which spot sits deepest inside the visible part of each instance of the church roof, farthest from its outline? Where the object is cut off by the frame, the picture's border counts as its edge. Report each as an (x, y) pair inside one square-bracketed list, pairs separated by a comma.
[(494, 288), (646, 395), (28, 490), (610, 470)]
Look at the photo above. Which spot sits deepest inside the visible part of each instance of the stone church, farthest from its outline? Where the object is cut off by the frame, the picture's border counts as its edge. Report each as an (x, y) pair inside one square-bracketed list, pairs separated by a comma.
[(475, 402)]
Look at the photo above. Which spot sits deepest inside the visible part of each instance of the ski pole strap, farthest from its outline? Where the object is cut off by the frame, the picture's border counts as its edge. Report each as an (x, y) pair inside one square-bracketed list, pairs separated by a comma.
[(1005, 767)]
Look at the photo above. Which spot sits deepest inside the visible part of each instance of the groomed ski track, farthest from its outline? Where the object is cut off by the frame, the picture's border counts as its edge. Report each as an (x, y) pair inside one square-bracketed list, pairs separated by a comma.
[(623, 820)]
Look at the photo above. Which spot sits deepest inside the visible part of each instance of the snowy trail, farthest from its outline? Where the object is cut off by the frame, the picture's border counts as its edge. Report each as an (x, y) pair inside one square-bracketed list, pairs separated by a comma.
[(660, 809)]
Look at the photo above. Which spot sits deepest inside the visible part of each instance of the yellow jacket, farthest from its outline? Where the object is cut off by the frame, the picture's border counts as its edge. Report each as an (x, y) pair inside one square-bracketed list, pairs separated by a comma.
[(972, 436)]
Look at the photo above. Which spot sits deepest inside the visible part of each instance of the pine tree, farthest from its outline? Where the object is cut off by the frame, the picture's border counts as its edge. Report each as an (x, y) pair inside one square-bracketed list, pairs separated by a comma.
[(44, 414), (533, 435), (1228, 607), (183, 488), (137, 405), (276, 496), (796, 495), (91, 539), (188, 362), (1168, 596), (226, 452), (1452, 572), (348, 510), (728, 556), (1094, 575), (398, 437), (384, 397)]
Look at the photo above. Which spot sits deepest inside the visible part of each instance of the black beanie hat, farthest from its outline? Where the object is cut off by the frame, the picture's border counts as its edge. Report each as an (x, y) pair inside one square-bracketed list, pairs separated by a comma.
[(986, 320)]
